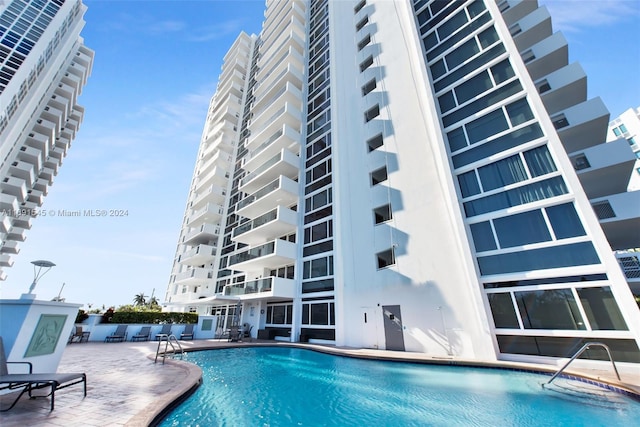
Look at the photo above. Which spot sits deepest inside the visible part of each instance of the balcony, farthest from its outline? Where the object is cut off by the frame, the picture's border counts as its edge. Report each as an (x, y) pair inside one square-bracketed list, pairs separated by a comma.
[(9, 247), (214, 194), (563, 88), (47, 174), (583, 125), (265, 288), (31, 155), (278, 222), (284, 138), (547, 56), (287, 69), (514, 10), (270, 255), (532, 28), (630, 265), (220, 159), (218, 142), (17, 234), (23, 170), (284, 163), (210, 213), (15, 186), (203, 234), (288, 94), (282, 191), (288, 115), (605, 168), (218, 176), (36, 197), (5, 260), (193, 276), (200, 255), (5, 223), (620, 219)]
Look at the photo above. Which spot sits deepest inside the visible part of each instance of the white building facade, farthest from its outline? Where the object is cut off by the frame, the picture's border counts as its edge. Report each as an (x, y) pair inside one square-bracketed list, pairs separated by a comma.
[(43, 67), (398, 175)]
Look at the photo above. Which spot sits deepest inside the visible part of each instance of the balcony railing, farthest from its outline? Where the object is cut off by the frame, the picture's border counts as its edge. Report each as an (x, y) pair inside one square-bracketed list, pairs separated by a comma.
[(253, 253), (250, 287), (261, 220), (258, 194)]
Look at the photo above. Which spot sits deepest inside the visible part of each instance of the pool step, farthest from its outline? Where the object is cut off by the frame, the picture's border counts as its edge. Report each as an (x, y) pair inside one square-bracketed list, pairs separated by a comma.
[(585, 393)]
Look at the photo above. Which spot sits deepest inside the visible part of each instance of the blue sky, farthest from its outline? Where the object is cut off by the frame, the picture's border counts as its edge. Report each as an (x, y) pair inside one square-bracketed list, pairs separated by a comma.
[(156, 68)]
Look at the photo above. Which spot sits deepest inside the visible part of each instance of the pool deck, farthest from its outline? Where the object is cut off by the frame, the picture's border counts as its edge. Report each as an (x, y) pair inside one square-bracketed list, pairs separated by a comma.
[(126, 388)]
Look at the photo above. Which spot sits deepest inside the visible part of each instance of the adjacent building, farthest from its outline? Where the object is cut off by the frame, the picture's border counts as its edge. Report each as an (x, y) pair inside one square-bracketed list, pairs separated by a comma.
[(43, 67), (407, 176)]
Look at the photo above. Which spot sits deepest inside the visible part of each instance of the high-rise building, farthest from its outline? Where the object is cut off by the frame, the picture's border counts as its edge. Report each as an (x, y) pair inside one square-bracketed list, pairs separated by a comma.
[(43, 67), (400, 175)]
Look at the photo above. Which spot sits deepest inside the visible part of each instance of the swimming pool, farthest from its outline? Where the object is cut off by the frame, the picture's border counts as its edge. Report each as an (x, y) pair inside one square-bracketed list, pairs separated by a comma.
[(271, 386)]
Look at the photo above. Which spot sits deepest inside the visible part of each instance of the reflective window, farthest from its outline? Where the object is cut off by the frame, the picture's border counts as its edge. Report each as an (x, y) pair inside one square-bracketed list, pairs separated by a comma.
[(539, 161), (386, 258), (483, 239), (565, 221), (602, 309), (521, 229), (503, 312), (502, 173), (549, 309), (469, 184)]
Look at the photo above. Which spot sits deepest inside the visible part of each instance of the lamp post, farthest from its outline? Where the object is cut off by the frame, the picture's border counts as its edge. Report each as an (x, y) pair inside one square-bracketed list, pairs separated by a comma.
[(38, 266)]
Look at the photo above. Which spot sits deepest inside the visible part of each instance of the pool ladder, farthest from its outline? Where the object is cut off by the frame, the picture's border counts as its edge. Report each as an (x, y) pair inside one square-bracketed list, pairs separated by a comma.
[(169, 340), (578, 353)]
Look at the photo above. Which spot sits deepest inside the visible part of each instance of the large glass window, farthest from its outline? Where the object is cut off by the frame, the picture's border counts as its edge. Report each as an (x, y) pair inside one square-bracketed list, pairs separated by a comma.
[(565, 221), (539, 161), (469, 184), (483, 239), (582, 253), (502, 173), (549, 309), (473, 87), (521, 229), (486, 126), (602, 309), (502, 310)]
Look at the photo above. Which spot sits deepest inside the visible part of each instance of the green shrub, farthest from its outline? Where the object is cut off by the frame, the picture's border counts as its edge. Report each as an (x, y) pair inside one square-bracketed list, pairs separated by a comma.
[(153, 317), (82, 316)]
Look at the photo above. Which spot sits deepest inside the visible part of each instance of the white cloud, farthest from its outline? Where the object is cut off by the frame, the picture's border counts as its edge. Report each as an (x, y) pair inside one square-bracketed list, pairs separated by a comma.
[(214, 32), (581, 15)]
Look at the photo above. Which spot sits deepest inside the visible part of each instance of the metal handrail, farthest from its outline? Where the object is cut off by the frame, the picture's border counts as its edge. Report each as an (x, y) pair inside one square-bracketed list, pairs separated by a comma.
[(167, 339), (578, 353)]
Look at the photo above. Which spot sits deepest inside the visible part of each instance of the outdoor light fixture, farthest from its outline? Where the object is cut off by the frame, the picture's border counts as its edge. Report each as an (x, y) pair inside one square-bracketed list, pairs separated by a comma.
[(38, 265)]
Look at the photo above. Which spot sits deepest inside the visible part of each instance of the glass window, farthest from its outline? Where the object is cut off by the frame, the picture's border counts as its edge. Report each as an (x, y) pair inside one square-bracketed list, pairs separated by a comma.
[(386, 258), (617, 132), (378, 176), (375, 142), (486, 126), (438, 69), (521, 229), (623, 128), (519, 112), (278, 314), (476, 8), (517, 196), (539, 161), (320, 314), (483, 239), (503, 312), (550, 309), (368, 87), (602, 309), (452, 24), (447, 102), (372, 113), (488, 37), (473, 87), (469, 184), (382, 214), (565, 221), (457, 140), (502, 173), (462, 53), (582, 253)]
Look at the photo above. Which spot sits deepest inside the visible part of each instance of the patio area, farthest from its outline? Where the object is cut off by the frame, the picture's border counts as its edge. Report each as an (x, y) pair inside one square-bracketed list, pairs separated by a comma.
[(126, 387)]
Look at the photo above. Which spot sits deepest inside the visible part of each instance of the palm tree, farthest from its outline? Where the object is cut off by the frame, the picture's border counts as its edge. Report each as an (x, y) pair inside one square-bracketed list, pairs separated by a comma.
[(153, 301), (140, 299)]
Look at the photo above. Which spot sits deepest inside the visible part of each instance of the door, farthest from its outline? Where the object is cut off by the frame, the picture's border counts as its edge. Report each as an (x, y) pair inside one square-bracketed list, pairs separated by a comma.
[(393, 334), (369, 335)]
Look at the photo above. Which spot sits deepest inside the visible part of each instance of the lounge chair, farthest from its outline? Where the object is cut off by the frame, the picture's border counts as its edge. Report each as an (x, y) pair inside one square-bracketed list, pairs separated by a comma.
[(143, 335), (247, 331), (188, 332), (29, 382), (79, 335), (119, 335), (166, 330)]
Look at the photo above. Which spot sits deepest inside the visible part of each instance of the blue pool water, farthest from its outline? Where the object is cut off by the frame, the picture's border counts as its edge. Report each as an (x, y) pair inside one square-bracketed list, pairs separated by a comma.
[(294, 387)]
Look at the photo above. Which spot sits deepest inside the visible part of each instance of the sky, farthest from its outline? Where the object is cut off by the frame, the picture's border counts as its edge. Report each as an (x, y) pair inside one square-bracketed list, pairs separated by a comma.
[(155, 70)]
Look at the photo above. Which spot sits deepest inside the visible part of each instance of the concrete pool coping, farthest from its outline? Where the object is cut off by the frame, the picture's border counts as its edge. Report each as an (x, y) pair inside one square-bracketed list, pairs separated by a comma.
[(126, 387)]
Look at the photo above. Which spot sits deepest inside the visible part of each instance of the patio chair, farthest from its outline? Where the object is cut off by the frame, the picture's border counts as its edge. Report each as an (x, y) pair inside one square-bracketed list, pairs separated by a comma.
[(119, 335), (29, 382), (247, 331), (166, 330), (234, 333), (188, 332), (79, 335), (143, 335)]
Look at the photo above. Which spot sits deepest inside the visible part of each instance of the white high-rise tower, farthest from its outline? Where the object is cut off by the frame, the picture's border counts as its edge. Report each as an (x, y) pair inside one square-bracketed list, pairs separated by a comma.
[(402, 175), (43, 67)]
